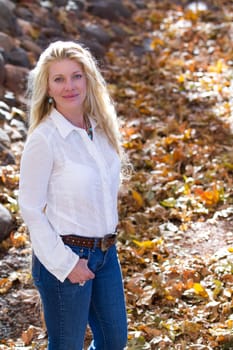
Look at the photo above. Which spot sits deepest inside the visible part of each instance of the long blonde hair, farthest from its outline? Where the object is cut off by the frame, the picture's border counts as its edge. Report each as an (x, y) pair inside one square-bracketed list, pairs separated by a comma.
[(98, 103)]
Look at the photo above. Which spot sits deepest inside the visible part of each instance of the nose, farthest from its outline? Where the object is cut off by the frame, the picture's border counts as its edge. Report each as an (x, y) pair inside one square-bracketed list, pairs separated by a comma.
[(69, 84)]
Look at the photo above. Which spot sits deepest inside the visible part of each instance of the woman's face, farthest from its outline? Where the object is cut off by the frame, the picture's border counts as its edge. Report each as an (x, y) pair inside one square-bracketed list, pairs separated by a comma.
[(67, 85)]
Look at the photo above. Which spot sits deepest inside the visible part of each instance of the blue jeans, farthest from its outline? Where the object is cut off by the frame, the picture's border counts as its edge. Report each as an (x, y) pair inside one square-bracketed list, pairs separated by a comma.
[(68, 307)]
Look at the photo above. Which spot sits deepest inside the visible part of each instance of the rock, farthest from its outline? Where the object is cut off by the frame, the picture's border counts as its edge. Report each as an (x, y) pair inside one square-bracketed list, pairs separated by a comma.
[(24, 13), (6, 222), (60, 2), (8, 3), (27, 27), (32, 47), (6, 157), (4, 138), (16, 78), (80, 5), (18, 114), (37, 17), (2, 69), (97, 50), (18, 57), (6, 42), (46, 19), (5, 113), (141, 4), (118, 32), (10, 98), (8, 20), (17, 131), (110, 10), (97, 32), (51, 33)]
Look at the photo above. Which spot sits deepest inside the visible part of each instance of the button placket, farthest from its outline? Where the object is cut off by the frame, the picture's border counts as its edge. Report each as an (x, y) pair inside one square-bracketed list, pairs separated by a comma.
[(92, 148)]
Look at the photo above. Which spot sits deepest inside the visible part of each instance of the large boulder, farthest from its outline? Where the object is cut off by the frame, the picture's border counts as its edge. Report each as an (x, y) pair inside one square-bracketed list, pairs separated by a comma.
[(8, 20), (96, 32), (2, 70), (6, 222), (111, 10), (6, 156), (15, 79), (18, 57), (6, 42)]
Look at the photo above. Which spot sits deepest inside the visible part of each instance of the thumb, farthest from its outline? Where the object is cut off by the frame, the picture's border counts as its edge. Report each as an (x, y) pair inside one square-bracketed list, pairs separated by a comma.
[(91, 274)]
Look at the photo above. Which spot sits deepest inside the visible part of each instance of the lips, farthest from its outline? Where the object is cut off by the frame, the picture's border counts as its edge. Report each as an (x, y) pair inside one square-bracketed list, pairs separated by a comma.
[(71, 96)]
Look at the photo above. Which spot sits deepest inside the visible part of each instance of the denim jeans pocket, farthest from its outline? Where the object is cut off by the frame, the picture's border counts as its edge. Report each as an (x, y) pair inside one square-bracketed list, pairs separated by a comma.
[(82, 252), (36, 268)]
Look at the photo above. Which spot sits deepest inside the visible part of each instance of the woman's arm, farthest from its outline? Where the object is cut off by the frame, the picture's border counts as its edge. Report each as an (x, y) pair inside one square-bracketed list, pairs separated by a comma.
[(35, 173)]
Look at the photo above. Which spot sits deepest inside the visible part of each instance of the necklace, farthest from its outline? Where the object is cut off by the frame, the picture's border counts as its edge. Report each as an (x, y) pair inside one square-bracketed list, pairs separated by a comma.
[(88, 127)]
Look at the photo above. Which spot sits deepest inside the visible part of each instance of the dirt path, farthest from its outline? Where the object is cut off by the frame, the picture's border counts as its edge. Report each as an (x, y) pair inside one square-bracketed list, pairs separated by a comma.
[(19, 307), (209, 238), (202, 238)]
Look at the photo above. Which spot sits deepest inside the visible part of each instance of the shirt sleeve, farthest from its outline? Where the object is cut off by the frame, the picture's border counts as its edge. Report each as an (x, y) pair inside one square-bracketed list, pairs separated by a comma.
[(35, 170)]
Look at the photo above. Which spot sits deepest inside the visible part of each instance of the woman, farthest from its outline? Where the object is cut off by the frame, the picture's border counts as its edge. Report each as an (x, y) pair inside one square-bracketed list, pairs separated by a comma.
[(69, 180)]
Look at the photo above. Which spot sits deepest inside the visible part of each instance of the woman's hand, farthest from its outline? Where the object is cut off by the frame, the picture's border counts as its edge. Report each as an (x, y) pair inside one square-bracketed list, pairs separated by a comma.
[(81, 272)]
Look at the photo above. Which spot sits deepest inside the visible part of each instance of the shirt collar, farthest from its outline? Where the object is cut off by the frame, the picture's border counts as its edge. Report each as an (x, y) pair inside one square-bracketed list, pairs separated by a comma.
[(63, 125)]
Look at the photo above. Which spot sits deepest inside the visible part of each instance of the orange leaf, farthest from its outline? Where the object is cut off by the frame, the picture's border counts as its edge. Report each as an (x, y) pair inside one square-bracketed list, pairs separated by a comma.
[(5, 285), (18, 239), (178, 155), (28, 335), (210, 197)]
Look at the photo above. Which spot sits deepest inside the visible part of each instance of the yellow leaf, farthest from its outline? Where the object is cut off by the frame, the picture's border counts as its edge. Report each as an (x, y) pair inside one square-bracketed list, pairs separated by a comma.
[(145, 244), (218, 67), (200, 290), (218, 287), (191, 15), (230, 249), (168, 203), (156, 42), (187, 134), (181, 79), (230, 324), (138, 198)]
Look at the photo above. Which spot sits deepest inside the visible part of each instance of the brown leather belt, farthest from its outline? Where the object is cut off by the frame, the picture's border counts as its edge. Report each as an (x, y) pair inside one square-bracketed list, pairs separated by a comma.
[(87, 242)]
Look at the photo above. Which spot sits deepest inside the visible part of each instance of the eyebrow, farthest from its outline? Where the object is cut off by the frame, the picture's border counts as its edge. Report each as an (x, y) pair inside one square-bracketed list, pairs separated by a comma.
[(61, 74)]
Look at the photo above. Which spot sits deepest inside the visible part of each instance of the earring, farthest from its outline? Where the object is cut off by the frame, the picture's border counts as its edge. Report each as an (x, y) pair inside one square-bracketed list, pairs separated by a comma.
[(50, 100)]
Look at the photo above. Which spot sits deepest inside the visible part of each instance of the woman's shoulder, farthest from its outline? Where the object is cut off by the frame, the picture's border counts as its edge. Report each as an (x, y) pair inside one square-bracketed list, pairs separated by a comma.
[(45, 129)]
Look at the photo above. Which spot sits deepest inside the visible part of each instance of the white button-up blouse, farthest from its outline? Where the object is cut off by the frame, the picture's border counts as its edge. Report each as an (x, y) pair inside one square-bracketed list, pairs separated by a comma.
[(68, 185)]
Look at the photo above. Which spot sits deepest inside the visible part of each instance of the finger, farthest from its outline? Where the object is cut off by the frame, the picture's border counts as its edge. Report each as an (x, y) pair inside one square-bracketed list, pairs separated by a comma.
[(90, 273)]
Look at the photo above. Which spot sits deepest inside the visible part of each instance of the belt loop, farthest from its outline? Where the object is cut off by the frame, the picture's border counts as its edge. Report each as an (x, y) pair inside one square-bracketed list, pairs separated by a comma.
[(95, 244)]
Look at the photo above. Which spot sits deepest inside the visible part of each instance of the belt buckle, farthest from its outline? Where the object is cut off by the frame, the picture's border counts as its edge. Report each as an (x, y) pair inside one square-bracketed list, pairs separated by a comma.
[(104, 242)]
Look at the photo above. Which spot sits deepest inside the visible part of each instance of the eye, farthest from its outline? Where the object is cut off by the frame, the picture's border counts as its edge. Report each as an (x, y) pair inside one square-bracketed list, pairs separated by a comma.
[(58, 79), (78, 76)]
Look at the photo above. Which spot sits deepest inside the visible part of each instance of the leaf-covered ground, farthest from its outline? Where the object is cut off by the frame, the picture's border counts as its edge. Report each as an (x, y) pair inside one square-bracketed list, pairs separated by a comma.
[(171, 80)]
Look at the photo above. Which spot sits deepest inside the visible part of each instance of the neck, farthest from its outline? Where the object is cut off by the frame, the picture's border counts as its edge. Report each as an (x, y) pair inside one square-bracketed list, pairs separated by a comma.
[(78, 121), (75, 117)]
